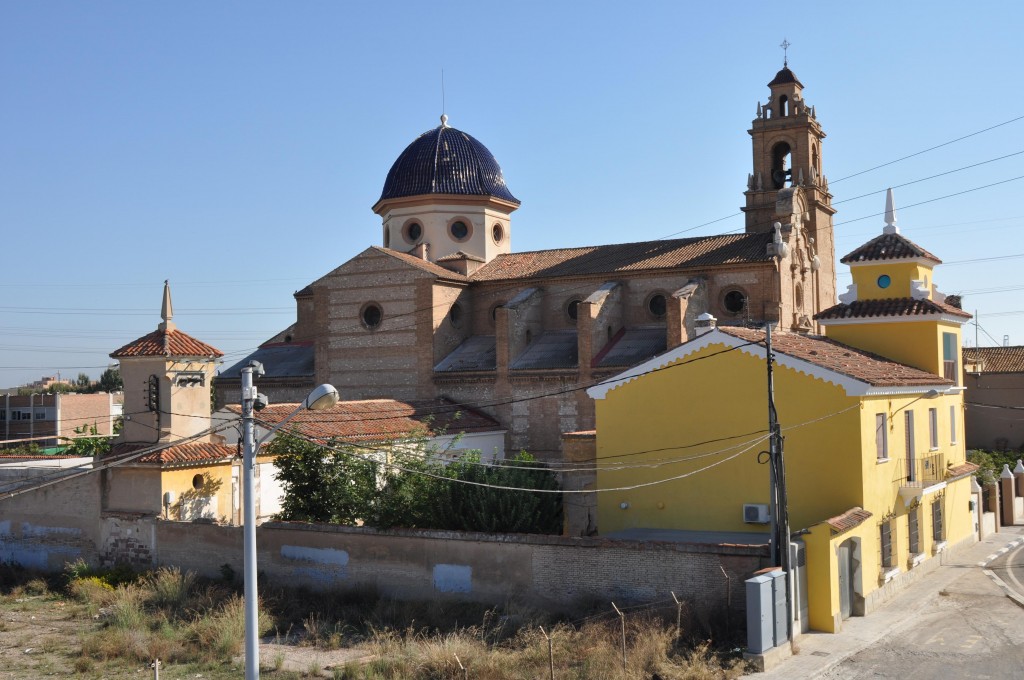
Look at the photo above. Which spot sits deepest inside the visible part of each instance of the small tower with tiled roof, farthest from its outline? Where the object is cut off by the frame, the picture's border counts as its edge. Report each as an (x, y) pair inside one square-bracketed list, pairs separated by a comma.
[(893, 307), (167, 376)]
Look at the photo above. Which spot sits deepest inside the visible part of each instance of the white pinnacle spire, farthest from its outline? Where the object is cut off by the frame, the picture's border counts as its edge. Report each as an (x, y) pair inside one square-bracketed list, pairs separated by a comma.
[(890, 215), (166, 309)]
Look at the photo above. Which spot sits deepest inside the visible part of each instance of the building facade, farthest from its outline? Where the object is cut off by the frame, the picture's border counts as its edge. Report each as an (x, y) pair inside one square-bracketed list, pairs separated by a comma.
[(48, 420), (872, 419), (994, 380), (444, 307)]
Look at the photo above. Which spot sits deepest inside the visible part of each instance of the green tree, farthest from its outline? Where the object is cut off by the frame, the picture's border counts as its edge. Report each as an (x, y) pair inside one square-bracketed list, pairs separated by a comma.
[(110, 380), (88, 443), (406, 484), (321, 484)]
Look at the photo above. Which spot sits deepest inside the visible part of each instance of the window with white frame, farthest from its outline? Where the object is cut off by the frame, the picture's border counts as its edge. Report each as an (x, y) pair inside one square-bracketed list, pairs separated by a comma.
[(952, 424), (881, 437), (908, 426), (933, 428)]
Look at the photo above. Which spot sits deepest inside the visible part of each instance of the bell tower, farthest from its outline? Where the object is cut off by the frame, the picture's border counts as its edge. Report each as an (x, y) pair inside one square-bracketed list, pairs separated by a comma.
[(787, 176)]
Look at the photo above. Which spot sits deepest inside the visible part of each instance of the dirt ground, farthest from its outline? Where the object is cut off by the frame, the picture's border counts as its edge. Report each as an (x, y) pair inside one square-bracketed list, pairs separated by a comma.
[(40, 637)]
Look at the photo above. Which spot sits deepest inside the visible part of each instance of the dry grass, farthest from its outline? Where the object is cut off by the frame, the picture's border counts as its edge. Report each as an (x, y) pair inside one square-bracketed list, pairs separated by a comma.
[(183, 620)]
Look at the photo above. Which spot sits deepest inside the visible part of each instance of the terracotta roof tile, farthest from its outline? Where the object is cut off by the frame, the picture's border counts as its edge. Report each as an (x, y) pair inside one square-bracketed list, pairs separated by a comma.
[(380, 419), (848, 520), (624, 257), (179, 454), (996, 359), (962, 470), (835, 356), (888, 247), (172, 343), (866, 309), (425, 265)]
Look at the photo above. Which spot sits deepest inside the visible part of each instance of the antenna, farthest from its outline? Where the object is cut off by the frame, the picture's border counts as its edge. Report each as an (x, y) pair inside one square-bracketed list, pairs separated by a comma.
[(444, 109)]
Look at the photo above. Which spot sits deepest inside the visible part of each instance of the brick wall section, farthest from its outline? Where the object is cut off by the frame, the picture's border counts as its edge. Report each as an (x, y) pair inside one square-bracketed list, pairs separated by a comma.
[(77, 410), (579, 510), (549, 571)]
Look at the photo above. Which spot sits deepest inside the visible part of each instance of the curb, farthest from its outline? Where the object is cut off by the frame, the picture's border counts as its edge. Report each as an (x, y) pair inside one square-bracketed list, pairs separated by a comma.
[(1013, 595)]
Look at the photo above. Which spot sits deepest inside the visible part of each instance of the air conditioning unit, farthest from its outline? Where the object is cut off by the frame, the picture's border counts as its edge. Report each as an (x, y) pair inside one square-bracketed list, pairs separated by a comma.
[(756, 513)]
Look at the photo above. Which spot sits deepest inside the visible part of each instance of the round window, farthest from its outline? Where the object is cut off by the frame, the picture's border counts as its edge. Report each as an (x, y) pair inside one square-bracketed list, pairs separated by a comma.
[(413, 232), (572, 310), (197, 482), (372, 315), (884, 281), (494, 312), (459, 230), (498, 233), (735, 301), (657, 305), (455, 315)]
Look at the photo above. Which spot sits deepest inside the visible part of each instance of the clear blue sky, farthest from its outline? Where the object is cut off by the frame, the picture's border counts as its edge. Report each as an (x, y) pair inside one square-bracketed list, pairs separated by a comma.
[(235, 148)]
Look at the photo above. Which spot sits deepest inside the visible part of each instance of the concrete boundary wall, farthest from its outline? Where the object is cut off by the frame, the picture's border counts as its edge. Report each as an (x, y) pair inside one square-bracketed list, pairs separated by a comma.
[(550, 571), (59, 524)]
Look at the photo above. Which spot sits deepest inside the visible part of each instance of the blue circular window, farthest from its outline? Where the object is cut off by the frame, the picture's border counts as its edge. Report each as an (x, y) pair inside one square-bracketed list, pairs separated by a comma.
[(884, 281)]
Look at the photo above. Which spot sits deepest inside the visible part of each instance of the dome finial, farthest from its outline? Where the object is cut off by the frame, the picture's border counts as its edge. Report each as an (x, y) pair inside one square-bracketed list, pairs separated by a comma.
[(444, 120), (890, 214)]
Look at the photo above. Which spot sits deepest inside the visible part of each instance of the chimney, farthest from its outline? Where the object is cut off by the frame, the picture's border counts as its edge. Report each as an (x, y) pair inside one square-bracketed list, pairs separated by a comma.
[(705, 324)]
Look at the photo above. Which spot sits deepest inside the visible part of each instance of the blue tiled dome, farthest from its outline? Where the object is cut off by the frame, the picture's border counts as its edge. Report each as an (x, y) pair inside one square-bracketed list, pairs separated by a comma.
[(446, 161)]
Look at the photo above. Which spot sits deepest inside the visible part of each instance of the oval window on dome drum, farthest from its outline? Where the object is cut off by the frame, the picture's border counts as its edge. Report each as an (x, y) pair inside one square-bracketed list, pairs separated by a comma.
[(459, 230), (371, 315), (498, 233), (412, 232)]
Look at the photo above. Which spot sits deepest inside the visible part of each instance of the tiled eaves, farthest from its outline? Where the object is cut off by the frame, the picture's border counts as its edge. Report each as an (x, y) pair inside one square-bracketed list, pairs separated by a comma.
[(644, 256), (850, 519), (996, 359), (842, 372)]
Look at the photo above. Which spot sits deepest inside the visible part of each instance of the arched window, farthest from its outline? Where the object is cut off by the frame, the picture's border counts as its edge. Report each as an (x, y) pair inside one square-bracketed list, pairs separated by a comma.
[(782, 175), (783, 105), (814, 159)]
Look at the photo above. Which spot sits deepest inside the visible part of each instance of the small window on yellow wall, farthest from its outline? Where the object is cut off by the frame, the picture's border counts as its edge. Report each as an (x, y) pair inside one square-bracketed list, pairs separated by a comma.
[(952, 424), (881, 437), (933, 428)]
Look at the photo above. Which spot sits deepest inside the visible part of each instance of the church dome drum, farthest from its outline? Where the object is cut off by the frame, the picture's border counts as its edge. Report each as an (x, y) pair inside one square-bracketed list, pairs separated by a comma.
[(446, 161)]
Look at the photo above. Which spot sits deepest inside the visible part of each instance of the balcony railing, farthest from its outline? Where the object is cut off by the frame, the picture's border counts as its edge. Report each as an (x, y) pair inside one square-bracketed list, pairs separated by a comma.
[(923, 471)]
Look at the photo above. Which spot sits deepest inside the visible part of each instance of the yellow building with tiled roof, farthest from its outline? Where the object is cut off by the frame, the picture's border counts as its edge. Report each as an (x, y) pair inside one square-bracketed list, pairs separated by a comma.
[(878, 483)]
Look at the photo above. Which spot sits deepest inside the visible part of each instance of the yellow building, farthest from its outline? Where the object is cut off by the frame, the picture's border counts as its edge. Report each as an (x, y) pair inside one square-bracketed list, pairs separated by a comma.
[(872, 419)]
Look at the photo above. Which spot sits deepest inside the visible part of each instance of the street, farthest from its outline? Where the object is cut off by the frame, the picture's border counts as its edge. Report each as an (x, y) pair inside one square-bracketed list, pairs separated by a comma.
[(971, 630)]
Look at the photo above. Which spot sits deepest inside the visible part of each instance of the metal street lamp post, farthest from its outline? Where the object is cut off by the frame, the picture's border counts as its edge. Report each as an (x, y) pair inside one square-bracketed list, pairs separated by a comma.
[(324, 396)]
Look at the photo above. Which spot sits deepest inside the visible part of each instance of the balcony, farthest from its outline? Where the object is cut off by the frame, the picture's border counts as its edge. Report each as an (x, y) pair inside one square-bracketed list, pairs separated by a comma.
[(920, 476)]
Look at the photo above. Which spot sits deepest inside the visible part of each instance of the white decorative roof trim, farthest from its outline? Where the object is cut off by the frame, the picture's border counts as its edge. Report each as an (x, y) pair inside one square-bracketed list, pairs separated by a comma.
[(949, 318), (852, 386), (924, 261), (918, 289), (897, 391), (850, 296)]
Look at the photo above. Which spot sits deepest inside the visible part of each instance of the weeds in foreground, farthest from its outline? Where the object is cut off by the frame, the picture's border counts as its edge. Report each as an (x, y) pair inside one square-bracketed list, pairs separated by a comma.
[(183, 620)]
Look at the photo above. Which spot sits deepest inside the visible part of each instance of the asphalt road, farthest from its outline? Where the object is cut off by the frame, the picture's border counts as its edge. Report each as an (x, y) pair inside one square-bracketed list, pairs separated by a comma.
[(972, 630), (1010, 568)]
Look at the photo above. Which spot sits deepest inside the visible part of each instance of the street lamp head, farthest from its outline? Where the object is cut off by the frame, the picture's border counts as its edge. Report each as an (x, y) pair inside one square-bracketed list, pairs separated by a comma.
[(322, 396), (930, 394)]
